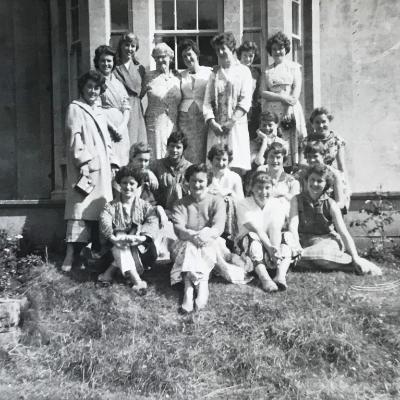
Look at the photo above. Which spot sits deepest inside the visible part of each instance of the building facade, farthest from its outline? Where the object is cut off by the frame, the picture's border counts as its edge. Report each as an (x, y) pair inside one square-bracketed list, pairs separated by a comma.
[(49, 43)]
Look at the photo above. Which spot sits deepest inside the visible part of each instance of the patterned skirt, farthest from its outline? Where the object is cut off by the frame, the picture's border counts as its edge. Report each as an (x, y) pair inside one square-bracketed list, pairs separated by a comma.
[(324, 247), (192, 124), (197, 262)]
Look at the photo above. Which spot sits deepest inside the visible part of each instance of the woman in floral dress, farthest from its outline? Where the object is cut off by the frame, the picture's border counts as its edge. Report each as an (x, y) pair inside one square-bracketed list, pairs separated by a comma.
[(164, 95), (280, 92)]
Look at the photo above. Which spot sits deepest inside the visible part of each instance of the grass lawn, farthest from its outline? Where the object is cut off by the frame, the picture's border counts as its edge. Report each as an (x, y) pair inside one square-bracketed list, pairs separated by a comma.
[(319, 340)]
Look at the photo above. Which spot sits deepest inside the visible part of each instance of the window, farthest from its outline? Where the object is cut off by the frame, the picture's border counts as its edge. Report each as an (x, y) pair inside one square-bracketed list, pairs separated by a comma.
[(254, 17), (296, 31), (120, 20), (75, 47), (199, 20)]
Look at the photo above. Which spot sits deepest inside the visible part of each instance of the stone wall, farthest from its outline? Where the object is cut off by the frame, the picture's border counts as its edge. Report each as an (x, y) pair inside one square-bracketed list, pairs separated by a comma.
[(360, 52)]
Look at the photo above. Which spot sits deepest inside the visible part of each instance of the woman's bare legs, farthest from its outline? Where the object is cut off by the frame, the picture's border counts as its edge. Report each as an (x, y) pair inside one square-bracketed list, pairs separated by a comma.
[(73, 250), (267, 283), (202, 295), (187, 304)]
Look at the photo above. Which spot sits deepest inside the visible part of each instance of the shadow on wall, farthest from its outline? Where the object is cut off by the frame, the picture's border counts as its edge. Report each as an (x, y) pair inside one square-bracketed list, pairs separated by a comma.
[(41, 223)]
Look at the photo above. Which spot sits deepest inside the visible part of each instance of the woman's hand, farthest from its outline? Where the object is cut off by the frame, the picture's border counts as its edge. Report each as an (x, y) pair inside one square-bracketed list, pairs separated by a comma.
[(261, 135), (215, 127), (125, 105), (153, 182), (289, 100), (274, 254), (135, 240), (119, 241), (84, 170), (227, 126)]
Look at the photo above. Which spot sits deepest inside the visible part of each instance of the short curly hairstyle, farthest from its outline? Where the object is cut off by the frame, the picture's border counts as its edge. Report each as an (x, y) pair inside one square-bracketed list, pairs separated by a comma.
[(323, 171), (260, 177), (189, 44), (280, 39), (178, 137), (276, 148), (269, 116), (314, 147), (194, 169), (219, 150), (128, 37), (225, 38), (139, 148), (247, 45), (162, 48), (130, 171), (107, 50), (94, 76), (320, 111)]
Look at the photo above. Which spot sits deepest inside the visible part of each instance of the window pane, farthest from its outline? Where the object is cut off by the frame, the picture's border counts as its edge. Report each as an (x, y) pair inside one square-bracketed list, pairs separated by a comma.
[(295, 18), (164, 10), (296, 50), (119, 15), (114, 40), (207, 53), (208, 14), (251, 13), (186, 14), (180, 39), (254, 37)]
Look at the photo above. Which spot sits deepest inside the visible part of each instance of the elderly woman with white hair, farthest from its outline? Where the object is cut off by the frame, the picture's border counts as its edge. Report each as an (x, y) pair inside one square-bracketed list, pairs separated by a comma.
[(164, 95)]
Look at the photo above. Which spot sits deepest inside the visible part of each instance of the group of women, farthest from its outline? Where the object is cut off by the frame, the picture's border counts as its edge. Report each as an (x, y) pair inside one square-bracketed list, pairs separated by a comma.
[(208, 137)]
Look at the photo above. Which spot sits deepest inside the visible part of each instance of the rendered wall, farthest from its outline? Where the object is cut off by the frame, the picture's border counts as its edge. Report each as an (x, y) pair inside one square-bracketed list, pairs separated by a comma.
[(360, 53)]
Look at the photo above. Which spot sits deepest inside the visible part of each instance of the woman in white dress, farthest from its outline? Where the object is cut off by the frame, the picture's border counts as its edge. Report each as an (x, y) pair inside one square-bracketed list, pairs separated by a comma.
[(227, 101)]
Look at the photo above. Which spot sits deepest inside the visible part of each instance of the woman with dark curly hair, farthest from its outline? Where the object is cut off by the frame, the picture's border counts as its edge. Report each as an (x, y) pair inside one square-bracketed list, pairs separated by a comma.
[(190, 118), (89, 159), (280, 91), (115, 101), (227, 101), (131, 73)]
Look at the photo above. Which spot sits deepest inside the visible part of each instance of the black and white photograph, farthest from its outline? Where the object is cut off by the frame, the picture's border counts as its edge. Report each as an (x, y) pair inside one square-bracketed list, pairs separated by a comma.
[(200, 199)]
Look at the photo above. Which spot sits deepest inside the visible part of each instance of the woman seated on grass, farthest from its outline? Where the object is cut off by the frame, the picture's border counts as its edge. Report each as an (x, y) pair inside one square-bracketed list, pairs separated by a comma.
[(129, 224), (319, 231), (260, 219), (315, 153), (199, 220), (227, 184)]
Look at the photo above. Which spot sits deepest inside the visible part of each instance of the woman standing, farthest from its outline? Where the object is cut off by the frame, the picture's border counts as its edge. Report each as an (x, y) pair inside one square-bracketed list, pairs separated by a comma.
[(190, 119), (164, 95), (131, 74), (89, 159), (115, 102), (280, 92), (227, 100)]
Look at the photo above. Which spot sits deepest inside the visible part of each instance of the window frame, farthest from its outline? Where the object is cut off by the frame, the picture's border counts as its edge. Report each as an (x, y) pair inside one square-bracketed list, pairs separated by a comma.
[(74, 47), (120, 32), (297, 37), (175, 33), (262, 30)]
